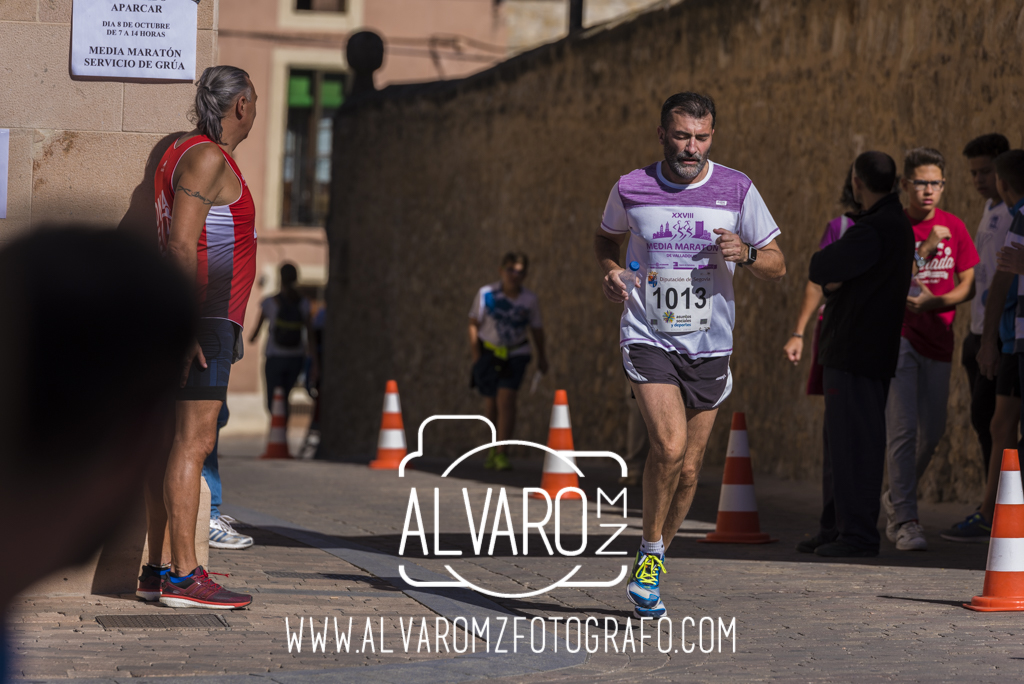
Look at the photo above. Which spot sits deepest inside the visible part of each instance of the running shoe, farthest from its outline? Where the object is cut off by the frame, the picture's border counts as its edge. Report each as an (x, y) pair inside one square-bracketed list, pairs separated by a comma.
[(910, 537), (197, 590), (149, 582), (224, 536), (633, 474), (496, 460), (973, 529), (643, 589), (655, 613), (891, 526)]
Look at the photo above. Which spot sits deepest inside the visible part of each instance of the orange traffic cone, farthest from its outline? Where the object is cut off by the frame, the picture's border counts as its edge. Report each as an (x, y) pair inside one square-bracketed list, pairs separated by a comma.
[(737, 507), (557, 473), (391, 443), (1004, 574), (277, 445)]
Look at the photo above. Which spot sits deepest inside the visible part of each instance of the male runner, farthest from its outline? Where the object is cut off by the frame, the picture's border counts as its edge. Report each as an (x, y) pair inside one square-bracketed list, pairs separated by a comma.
[(676, 329), (206, 226), (501, 314)]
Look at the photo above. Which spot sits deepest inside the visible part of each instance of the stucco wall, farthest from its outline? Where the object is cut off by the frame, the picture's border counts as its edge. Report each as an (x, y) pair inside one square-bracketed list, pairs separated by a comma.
[(434, 184), (79, 149)]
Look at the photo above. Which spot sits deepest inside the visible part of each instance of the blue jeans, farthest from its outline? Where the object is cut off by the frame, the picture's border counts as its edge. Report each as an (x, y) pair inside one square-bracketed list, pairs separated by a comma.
[(210, 470)]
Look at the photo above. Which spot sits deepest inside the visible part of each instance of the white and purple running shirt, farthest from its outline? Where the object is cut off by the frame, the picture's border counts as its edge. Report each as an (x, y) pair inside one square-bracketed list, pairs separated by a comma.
[(672, 228)]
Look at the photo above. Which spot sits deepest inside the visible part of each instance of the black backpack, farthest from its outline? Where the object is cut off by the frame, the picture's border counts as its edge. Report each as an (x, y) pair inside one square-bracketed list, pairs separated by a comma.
[(288, 324)]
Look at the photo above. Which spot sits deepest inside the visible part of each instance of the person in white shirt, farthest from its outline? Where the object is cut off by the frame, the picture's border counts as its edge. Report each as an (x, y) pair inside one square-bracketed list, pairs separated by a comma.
[(690, 223), (995, 402), (502, 314)]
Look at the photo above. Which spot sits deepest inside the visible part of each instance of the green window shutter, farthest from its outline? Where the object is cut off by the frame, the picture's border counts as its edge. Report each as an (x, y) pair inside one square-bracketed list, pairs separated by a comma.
[(299, 92), (331, 94)]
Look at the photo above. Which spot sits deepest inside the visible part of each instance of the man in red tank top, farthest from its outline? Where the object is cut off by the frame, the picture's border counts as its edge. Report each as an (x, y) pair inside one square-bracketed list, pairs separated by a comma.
[(206, 226)]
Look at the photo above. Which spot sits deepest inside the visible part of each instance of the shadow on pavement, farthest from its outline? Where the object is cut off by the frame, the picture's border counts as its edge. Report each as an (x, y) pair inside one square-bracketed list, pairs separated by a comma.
[(955, 604), (788, 510)]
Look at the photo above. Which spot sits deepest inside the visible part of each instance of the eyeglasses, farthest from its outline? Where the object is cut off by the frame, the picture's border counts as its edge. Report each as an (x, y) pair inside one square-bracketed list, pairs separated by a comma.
[(922, 184)]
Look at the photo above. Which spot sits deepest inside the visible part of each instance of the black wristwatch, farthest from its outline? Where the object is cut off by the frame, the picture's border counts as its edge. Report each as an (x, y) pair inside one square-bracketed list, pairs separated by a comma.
[(751, 256)]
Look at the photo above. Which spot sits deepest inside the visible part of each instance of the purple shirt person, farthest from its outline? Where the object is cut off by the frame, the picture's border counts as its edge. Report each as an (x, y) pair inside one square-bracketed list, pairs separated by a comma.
[(813, 297)]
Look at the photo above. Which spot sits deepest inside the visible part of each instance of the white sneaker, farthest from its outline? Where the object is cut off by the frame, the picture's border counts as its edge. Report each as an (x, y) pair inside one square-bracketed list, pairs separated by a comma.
[(312, 443), (891, 526), (910, 537), (223, 536)]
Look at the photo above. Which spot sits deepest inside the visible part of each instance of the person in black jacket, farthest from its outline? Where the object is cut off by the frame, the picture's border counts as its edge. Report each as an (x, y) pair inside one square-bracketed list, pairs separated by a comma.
[(865, 278)]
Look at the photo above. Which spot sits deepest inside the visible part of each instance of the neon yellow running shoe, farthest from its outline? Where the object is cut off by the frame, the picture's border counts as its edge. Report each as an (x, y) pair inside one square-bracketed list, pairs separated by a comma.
[(643, 589), (496, 460)]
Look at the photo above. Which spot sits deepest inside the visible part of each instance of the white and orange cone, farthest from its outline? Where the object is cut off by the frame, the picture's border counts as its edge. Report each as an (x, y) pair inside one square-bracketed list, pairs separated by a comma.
[(391, 443), (557, 473), (738, 522), (1004, 573), (277, 443)]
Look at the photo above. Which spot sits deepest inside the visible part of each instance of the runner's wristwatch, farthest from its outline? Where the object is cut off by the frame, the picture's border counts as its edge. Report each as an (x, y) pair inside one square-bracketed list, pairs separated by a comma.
[(751, 256)]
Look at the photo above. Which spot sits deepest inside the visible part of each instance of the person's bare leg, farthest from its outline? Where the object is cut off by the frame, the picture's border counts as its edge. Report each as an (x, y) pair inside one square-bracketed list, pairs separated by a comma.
[(698, 430), (157, 539), (491, 409), (195, 435), (1004, 436), (665, 416), (506, 413)]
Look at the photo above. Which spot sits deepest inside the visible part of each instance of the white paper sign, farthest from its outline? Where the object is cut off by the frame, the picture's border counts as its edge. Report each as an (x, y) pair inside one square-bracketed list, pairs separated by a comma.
[(5, 155), (152, 39)]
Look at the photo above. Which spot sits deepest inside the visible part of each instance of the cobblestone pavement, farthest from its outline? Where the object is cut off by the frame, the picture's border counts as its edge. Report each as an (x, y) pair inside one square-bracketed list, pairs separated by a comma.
[(797, 617)]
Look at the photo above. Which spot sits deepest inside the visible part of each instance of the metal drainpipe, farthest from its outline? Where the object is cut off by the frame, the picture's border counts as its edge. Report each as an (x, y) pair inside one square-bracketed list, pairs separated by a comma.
[(575, 16)]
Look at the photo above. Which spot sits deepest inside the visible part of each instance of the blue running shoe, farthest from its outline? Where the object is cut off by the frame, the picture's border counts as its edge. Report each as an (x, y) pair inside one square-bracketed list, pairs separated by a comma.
[(654, 613), (642, 589), (975, 529)]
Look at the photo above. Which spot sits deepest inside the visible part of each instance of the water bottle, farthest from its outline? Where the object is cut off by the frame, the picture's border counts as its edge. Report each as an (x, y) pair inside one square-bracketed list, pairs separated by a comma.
[(629, 276), (915, 287)]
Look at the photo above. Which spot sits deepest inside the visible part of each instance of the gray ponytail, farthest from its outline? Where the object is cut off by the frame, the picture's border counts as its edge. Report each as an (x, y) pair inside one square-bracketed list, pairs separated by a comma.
[(216, 92)]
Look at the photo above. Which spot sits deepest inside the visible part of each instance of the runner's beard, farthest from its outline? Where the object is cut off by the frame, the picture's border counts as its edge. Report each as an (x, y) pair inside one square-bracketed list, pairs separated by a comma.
[(687, 173)]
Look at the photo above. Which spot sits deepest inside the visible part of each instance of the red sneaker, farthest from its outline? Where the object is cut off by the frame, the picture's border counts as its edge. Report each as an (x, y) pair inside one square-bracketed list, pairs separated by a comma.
[(149, 582), (197, 590)]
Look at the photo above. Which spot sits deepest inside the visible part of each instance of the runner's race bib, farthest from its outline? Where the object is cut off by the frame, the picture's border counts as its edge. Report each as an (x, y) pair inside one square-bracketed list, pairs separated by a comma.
[(679, 301)]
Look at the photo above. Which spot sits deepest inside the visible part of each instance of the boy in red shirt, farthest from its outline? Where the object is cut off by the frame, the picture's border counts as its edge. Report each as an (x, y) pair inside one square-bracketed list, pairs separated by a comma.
[(915, 414)]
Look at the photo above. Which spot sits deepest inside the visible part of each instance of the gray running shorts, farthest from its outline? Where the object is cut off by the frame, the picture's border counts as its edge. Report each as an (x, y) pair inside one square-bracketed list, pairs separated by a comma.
[(704, 382)]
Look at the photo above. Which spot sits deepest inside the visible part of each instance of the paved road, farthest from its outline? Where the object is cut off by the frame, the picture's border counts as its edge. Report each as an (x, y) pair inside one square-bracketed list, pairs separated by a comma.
[(339, 526)]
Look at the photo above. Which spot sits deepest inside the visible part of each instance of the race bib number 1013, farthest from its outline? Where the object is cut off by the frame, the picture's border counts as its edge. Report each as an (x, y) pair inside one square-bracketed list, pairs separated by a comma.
[(679, 301)]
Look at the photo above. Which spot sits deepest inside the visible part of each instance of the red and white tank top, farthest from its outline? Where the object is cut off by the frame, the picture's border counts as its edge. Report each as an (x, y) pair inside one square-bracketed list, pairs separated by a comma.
[(227, 246)]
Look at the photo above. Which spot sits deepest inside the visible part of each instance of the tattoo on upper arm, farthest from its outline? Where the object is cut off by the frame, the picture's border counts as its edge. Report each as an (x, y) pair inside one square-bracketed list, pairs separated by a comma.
[(195, 193)]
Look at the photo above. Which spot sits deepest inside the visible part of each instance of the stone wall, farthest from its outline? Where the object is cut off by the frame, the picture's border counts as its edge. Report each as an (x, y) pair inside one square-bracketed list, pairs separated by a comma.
[(434, 183), (80, 148)]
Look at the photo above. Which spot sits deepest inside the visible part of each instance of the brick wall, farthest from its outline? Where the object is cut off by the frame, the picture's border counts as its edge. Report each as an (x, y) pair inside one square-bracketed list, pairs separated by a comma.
[(434, 183)]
